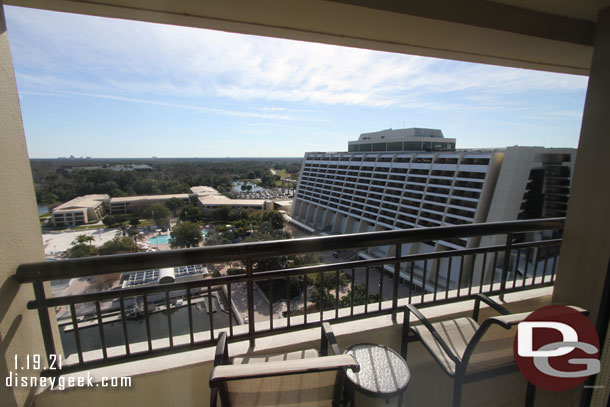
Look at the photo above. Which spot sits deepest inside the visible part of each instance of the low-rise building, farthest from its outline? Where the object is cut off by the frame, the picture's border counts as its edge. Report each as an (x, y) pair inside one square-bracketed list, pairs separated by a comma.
[(85, 209), (80, 210), (209, 198), (134, 204)]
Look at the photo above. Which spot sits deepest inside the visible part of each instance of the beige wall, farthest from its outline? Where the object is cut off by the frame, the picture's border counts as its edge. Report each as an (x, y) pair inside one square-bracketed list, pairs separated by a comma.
[(20, 237), (585, 251)]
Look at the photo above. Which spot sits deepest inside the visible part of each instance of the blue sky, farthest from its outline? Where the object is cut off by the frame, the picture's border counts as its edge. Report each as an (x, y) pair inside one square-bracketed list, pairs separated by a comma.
[(99, 87)]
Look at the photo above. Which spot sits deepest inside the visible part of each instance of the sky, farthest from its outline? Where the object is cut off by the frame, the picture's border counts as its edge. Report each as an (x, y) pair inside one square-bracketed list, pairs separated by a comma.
[(98, 87)]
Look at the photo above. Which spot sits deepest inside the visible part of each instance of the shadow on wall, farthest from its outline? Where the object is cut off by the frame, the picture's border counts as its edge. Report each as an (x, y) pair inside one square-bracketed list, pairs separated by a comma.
[(8, 292)]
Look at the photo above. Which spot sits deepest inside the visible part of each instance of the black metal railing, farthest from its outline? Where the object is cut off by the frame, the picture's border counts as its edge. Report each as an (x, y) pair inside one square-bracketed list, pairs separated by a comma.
[(114, 326)]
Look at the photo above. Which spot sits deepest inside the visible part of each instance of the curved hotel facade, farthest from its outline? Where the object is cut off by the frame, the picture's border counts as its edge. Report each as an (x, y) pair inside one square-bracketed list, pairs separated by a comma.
[(428, 183)]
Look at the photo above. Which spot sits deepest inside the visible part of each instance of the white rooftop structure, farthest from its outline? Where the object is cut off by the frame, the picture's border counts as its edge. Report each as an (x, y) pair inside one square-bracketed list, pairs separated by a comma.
[(208, 197), (413, 139), (81, 202), (167, 275), (400, 134)]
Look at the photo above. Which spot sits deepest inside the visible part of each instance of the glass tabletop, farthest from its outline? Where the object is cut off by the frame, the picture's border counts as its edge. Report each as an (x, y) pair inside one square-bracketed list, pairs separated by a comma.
[(383, 372)]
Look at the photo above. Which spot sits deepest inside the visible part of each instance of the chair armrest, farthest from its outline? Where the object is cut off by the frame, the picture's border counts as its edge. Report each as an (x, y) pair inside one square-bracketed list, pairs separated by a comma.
[(284, 367), (507, 321), (328, 339), (221, 356), (581, 310), (425, 322), (477, 304)]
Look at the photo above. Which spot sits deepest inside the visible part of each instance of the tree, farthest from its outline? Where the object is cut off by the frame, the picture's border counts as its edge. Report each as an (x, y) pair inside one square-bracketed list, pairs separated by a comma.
[(323, 299), (90, 239), (134, 221), (118, 245), (267, 180), (215, 238), (112, 220), (321, 295), (360, 296), (265, 228), (80, 239), (275, 218), (191, 214), (174, 204), (122, 230), (81, 250), (49, 198), (271, 263), (159, 213), (185, 234), (235, 271), (221, 213)]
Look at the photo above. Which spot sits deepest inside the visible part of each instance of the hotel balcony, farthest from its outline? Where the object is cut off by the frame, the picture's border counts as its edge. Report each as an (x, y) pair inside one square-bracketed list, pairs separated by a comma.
[(177, 351), (551, 36)]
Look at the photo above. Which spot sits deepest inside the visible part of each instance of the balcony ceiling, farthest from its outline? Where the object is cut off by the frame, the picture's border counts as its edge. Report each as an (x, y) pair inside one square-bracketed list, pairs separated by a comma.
[(549, 35)]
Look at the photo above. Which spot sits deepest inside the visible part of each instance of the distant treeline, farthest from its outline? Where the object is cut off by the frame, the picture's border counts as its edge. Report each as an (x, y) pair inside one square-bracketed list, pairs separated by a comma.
[(59, 180)]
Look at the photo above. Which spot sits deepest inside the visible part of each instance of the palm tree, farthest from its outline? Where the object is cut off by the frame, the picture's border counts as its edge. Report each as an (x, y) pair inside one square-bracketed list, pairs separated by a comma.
[(80, 239), (122, 232)]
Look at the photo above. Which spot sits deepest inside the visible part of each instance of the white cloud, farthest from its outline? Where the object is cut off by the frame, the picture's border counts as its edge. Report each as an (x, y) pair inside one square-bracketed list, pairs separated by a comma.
[(125, 59), (204, 109)]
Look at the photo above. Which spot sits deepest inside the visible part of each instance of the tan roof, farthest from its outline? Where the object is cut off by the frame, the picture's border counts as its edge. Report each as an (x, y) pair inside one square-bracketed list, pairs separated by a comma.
[(148, 198), (234, 202), (81, 202), (210, 196), (207, 192), (204, 190)]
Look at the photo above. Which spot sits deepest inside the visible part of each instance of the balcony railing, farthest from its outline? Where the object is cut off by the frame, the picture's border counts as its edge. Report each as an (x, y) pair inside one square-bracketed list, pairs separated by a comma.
[(337, 291)]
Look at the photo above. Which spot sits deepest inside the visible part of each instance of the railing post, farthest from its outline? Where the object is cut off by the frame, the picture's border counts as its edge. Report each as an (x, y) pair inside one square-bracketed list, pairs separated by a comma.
[(509, 246), (250, 289), (45, 322), (396, 281)]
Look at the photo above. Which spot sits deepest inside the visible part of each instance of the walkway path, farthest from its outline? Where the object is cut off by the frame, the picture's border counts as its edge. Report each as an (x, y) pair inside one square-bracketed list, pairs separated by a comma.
[(239, 296)]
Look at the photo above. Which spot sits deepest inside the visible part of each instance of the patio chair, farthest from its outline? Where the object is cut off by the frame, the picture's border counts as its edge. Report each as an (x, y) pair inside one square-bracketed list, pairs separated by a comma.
[(296, 378), (462, 348)]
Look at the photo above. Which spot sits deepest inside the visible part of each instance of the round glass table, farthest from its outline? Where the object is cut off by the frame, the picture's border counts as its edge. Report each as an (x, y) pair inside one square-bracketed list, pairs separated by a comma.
[(383, 372)]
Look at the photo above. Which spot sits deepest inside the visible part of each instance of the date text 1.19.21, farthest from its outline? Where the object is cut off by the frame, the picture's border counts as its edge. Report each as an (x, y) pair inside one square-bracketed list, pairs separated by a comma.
[(34, 362)]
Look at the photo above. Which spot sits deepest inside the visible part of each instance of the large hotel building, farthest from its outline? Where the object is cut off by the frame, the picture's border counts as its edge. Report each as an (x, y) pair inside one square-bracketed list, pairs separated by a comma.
[(413, 178)]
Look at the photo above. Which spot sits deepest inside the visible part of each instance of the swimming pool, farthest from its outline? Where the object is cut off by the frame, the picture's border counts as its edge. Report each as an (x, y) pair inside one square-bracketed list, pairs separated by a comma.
[(161, 239), (164, 239)]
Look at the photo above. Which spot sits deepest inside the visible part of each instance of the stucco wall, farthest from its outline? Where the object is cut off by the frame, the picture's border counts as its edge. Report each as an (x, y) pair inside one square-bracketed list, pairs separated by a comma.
[(20, 237)]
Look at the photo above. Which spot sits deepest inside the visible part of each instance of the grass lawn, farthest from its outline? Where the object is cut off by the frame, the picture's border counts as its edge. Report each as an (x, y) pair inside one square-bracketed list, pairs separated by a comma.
[(282, 174), (145, 222), (88, 227)]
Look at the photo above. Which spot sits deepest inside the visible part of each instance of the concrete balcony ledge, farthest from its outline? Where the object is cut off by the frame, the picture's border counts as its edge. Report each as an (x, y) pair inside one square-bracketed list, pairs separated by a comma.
[(182, 379)]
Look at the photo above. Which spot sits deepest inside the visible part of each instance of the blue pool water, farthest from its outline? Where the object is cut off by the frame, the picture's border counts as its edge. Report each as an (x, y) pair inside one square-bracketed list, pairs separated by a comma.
[(164, 239), (161, 239)]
